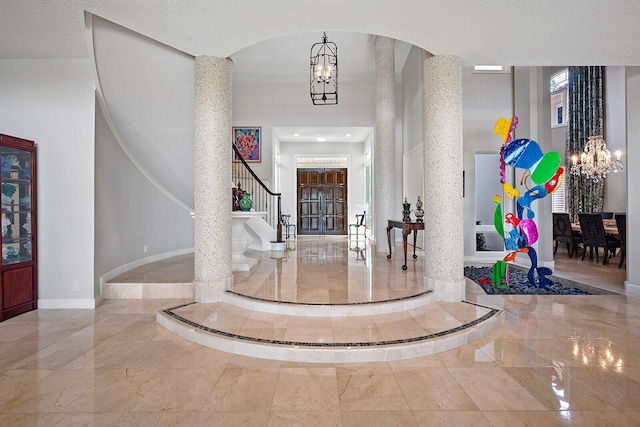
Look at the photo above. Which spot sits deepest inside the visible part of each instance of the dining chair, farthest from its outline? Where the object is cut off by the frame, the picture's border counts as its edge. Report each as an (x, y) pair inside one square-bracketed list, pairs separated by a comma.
[(605, 215), (562, 232), (359, 223), (594, 236), (621, 223), (284, 219)]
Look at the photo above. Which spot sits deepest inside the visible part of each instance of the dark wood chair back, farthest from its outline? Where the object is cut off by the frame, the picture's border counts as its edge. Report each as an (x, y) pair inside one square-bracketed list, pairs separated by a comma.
[(621, 223), (562, 227), (594, 236), (592, 229), (562, 232)]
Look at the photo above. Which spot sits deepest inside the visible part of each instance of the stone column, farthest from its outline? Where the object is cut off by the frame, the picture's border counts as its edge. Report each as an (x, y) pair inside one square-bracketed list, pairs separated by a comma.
[(212, 178), (443, 218), (384, 147)]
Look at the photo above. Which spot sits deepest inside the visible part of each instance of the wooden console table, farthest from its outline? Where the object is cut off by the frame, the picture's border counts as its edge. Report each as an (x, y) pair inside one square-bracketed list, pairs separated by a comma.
[(407, 228)]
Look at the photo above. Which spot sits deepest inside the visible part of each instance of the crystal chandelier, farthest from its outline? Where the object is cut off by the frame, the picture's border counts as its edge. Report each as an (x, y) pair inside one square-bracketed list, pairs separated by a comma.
[(324, 72), (595, 161)]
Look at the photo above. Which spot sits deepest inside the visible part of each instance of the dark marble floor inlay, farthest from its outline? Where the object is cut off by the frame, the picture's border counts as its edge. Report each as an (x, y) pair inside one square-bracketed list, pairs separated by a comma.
[(328, 303), (492, 312)]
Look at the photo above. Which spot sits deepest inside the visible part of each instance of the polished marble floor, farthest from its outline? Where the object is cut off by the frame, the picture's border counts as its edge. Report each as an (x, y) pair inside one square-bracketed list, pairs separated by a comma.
[(569, 360), (330, 269)]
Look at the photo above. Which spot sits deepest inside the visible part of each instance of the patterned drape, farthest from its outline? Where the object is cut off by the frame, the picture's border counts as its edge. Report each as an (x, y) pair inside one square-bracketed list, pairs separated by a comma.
[(586, 118)]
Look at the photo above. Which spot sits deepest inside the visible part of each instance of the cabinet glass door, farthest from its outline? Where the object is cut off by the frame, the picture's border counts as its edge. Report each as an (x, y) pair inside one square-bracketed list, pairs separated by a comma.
[(16, 206)]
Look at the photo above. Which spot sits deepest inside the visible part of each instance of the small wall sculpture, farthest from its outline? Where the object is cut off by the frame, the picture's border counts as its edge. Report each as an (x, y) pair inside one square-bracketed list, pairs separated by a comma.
[(545, 172)]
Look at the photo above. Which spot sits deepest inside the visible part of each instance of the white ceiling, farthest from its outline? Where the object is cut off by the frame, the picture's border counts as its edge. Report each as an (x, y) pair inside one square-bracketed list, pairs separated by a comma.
[(287, 57), (281, 32), (329, 134), (509, 32)]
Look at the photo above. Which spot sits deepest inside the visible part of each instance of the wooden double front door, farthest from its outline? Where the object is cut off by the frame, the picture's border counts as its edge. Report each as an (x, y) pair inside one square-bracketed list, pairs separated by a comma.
[(322, 201)]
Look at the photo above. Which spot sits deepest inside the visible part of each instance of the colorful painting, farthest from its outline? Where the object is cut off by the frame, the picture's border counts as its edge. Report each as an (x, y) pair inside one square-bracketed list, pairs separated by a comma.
[(248, 142)]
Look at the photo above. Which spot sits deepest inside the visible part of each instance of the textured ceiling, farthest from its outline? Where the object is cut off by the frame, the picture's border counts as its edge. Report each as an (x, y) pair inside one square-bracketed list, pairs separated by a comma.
[(509, 32)]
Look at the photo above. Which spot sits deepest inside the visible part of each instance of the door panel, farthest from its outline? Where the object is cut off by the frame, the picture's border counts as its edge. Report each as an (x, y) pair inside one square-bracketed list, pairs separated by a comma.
[(322, 201)]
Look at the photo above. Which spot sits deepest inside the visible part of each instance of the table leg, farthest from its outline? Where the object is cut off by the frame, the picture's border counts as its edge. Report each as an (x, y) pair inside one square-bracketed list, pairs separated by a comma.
[(389, 240), (405, 232), (415, 237)]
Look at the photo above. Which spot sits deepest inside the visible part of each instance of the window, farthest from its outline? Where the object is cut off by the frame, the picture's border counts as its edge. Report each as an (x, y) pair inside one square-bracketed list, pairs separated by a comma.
[(559, 198), (558, 88), (559, 93)]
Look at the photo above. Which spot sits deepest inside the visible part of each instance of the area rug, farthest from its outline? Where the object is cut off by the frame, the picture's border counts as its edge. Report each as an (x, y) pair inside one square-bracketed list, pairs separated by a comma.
[(518, 284)]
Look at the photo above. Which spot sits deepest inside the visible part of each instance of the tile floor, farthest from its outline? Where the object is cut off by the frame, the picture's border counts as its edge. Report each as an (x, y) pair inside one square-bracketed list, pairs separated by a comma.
[(570, 360)]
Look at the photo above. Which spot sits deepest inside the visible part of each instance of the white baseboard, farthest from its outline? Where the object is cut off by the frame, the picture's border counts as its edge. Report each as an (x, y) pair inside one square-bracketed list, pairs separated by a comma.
[(631, 288), (60, 304)]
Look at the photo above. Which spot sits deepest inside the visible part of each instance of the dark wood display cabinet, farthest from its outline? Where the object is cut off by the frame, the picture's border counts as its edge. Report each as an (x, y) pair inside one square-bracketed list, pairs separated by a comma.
[(18, 272)]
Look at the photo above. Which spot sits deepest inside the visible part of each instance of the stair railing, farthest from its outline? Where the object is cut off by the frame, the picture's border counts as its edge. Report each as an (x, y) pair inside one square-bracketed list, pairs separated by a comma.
[(261, 195)]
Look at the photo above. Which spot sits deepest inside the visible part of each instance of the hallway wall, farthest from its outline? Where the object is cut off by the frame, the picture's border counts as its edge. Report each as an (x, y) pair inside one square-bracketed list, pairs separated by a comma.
[(131, 212), (354, 151), (51, 102), (144, 140), (485, 98)]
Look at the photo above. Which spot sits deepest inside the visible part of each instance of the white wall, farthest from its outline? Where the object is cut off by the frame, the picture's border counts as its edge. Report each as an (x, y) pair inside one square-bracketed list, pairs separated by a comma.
[(52, 102), (131, 212), (532, 101), (355, 173), (412, 135), (272, 103), (144, 148), (615, 195), (632, 78), (485, 98), (149, 90), (284, 101), (412, 140)]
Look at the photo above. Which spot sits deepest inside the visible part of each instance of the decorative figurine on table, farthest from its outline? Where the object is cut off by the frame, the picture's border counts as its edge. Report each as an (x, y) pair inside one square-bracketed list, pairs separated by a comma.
[(419, 212), (406, 211), (246, 203), (236, 196)]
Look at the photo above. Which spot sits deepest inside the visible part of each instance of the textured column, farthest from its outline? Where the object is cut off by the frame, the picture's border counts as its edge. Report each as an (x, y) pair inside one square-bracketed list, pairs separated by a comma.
[(444, 238), (384, 148), (212, 178)]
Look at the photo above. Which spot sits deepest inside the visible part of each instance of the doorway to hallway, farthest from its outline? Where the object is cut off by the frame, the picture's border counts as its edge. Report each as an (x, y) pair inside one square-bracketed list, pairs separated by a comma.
[(322, 201)]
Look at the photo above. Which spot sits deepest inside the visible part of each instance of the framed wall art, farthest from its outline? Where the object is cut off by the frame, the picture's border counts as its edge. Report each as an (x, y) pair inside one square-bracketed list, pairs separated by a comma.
[(248, 141)]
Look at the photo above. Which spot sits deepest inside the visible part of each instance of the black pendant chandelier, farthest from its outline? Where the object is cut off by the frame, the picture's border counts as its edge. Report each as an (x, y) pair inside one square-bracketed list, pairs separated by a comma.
[(324, 72)]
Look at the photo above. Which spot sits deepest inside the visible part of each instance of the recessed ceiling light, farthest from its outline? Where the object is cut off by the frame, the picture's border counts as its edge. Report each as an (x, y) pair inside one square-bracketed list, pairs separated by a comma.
[(321, 139), (348, 135), (296, 134)]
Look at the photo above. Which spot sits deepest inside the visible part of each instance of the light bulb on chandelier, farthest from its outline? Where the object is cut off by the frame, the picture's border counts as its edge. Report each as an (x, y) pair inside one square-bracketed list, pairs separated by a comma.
[(595, 161)]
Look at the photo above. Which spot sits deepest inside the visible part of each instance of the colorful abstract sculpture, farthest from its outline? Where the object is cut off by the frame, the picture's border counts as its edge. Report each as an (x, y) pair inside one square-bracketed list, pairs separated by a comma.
[(545, 171), (500, 274)]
